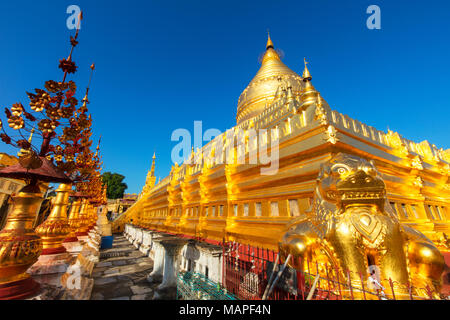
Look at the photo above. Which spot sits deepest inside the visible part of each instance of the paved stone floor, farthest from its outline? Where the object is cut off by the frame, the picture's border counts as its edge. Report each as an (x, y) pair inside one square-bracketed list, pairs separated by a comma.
[(121, 273)]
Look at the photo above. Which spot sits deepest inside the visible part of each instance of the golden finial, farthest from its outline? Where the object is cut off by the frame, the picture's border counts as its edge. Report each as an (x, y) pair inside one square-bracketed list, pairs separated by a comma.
[(309, 95), (306, 75), (85, 99), (269, 41), (31, 135), (23, 152), (98, 146), (152, 169)]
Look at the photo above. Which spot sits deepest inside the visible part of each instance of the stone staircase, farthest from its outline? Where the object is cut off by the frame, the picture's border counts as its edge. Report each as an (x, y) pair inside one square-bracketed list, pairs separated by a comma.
[(121, 273)]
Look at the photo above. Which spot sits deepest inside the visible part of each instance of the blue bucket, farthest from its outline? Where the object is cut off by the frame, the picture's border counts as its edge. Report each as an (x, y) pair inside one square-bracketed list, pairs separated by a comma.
[(107, 242)]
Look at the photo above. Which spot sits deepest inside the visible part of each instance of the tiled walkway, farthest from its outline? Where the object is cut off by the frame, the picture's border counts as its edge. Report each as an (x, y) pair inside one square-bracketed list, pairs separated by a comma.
[(121, 273)]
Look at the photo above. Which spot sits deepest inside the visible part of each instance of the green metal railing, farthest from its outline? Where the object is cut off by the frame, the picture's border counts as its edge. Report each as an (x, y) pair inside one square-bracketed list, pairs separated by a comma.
[(195, 286)]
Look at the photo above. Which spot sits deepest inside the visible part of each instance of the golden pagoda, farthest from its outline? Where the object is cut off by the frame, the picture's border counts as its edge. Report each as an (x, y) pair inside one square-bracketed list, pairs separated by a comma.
[(267, 84), (151, 179), (221, 200)]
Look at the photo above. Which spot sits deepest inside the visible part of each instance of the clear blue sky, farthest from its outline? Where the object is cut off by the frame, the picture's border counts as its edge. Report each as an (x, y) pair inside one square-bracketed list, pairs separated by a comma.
[(163, 64)]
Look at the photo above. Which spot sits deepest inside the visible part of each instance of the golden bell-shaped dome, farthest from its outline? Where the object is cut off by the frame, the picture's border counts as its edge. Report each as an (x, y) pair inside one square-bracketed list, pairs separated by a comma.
[(262, 89), (309, 94)]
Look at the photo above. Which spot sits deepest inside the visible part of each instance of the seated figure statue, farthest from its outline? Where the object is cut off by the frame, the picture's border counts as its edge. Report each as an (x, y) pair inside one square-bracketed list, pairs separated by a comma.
[(351, 230)]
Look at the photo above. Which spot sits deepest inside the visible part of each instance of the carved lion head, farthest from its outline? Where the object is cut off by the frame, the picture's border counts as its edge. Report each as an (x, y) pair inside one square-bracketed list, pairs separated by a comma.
[(348, 180)]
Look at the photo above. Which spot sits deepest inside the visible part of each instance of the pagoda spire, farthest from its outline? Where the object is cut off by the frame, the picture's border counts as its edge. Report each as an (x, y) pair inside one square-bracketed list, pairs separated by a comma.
[(269, 41), (151, 179), (152, 170), (306, 74), (262, 90)]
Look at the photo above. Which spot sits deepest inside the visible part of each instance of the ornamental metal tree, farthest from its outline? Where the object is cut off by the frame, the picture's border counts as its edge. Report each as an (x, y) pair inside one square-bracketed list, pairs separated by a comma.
[(82, 219), (62, 129), (56, 228)]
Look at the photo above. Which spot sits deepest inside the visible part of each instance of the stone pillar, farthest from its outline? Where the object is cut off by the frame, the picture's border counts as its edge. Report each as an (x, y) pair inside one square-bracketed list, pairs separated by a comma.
[(138, 239), (158, 262), (146, 242), (132, 233), (168, 288), (155, 235), (93, 242), (126, 231)]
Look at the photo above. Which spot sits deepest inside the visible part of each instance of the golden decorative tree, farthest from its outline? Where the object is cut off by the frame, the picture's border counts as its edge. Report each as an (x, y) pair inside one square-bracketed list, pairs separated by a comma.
[(60, 128)]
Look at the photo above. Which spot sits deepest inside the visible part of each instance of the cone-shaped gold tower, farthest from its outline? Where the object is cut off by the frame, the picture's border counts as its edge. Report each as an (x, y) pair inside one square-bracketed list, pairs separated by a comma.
[(262, 89), (309, 94), (74, 220), (56, 228), (151, 179)]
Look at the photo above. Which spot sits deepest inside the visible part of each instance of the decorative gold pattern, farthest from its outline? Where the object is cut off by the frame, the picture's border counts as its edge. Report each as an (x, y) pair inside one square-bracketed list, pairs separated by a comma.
[(331, 135), (416, 163), (20, 246)]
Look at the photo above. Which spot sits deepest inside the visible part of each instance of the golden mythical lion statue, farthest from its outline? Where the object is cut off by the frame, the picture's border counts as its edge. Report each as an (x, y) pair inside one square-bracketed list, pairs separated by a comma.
[(352, 227)]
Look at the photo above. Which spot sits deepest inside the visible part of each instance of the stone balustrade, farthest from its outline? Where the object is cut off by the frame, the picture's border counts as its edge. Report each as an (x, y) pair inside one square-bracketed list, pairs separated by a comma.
[(146, 244), (138, 238), (171, 254)]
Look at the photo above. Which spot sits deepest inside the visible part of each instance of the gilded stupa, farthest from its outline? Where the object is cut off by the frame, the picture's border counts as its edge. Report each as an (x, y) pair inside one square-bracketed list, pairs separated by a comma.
[(219, 201), (151, 179), (265, 86)]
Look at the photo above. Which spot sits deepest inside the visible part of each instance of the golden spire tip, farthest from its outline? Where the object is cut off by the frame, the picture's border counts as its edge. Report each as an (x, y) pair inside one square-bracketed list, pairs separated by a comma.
[(31, 135), (269, 41), (306, 74), (22, 151)]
